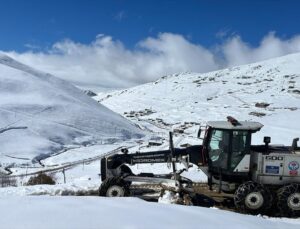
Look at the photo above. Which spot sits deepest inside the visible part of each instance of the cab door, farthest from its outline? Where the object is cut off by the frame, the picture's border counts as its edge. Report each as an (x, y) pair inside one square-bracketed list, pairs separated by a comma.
[(240, 151)]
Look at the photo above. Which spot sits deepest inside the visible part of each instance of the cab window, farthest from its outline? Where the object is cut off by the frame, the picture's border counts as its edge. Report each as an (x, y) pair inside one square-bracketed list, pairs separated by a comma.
[(218, 148)]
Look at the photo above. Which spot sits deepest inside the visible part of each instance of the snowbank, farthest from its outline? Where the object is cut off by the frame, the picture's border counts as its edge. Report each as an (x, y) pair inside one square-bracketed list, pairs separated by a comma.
[(96, 212), (89, 187)]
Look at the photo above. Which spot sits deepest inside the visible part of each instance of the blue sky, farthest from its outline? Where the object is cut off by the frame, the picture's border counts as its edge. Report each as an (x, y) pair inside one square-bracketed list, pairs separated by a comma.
[(36, 23), (120, 43)]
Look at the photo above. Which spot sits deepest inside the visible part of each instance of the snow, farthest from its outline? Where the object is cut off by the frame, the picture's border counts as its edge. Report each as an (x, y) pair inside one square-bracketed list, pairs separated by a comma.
[(168, 198), (75, 187), (41, 115), (98, 212), (57, 123)]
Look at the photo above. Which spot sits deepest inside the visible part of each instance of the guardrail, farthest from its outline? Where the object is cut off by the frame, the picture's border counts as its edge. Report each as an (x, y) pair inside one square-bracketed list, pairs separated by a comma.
[(66, 166)]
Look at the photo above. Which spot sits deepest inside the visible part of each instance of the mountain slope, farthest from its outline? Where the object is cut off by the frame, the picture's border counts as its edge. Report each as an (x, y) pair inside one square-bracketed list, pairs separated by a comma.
[(267, 91), (41, 114)]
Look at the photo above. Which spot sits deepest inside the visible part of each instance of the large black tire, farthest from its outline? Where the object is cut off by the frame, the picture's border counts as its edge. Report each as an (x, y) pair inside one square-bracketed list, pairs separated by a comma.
[(288, 200), (114, 187), (253, 198)]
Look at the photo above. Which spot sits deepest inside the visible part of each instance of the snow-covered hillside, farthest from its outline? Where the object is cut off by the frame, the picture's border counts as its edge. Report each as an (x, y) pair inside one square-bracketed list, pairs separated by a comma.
[(268, 92), (41, 114)]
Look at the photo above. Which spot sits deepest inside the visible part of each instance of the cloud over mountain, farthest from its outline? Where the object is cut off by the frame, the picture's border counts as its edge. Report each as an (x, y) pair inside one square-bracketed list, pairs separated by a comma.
[(107, 62)]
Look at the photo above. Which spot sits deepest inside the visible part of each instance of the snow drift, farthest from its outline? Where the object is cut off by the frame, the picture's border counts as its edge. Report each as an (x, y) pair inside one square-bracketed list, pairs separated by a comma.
[(96, 212), (41, 114)]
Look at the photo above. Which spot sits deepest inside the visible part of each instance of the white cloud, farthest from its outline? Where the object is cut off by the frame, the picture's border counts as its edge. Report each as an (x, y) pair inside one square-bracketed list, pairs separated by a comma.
[(237, 52), (108, 63)]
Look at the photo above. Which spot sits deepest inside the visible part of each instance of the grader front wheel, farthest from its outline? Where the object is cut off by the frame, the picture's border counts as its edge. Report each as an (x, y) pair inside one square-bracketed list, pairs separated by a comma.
[(114, 187)]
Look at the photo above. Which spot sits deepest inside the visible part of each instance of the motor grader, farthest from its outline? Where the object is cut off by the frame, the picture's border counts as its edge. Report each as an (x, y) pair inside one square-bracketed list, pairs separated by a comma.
[(256, 179)]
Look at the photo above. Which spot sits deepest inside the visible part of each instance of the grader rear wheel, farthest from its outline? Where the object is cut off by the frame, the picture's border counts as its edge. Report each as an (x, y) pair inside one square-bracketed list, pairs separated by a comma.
[(289, 200), (252, 198)]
